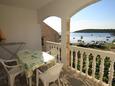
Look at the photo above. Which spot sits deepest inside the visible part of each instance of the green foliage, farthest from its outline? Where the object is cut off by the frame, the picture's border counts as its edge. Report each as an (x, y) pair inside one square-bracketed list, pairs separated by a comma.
[(113, 41), (106, 69), (90, 64), (96, 31), (84, 63), (78, 65), (98, 63)]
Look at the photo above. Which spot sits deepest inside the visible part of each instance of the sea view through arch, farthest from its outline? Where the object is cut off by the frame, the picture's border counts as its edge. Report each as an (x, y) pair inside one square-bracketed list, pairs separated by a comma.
[(89, 36)]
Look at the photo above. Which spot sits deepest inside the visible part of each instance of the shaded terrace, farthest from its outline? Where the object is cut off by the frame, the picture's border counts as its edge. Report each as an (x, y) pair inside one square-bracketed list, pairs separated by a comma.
[(21, 21)]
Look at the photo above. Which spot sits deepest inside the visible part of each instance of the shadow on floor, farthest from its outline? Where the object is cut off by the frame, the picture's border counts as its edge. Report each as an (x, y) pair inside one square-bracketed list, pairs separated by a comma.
[(69, 77)]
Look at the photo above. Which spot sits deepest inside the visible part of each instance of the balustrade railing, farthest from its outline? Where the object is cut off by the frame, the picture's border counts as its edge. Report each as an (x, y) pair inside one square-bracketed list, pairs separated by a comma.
[(97, 64), (50, 45)]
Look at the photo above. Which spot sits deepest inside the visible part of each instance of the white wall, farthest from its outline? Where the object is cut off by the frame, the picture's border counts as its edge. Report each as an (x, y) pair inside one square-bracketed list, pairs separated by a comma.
[(20, 25)]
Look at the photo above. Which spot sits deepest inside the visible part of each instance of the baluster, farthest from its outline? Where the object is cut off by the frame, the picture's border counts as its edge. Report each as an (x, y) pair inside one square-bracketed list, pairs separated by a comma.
[(47, 47), (102, 69), (81, 62), (87, 64), (94, 65), (111, 73), (60, 54), (71, 58), (57, 54), (50, 47), (76, 59), (53, 46)]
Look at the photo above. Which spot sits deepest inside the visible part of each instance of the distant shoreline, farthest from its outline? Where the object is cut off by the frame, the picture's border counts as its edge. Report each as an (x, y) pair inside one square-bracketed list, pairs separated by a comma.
[(96, 31)]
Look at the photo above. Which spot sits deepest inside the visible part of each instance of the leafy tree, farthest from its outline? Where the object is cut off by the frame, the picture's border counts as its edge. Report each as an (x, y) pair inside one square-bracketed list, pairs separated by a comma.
[(113, 40)]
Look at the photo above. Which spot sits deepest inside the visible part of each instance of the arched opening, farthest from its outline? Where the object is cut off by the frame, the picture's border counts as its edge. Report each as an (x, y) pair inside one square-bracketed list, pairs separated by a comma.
[(94, 25), (51, 29), (54, 22)]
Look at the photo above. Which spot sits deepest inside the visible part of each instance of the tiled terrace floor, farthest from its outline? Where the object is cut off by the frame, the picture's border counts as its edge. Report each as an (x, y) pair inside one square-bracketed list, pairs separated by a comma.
[(69, 76)]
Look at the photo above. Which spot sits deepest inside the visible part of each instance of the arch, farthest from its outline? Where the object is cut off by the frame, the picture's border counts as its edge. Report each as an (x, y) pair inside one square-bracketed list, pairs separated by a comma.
[(50, 22), (48, 16), (50, 30), (82, 7), (63, 8)]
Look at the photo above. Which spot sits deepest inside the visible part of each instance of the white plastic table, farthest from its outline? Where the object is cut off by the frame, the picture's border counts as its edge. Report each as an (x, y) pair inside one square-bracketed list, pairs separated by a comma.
[(32, 60)]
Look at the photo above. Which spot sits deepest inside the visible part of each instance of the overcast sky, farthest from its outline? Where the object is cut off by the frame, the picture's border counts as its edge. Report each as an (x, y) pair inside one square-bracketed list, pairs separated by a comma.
[(100, 15)]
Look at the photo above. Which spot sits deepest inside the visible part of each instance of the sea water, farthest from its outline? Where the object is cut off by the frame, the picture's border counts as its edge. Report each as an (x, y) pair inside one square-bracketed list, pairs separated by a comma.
[(89, 37)]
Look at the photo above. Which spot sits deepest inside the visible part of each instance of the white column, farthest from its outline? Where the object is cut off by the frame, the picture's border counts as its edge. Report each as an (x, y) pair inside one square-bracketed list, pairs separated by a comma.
[(65, 40)]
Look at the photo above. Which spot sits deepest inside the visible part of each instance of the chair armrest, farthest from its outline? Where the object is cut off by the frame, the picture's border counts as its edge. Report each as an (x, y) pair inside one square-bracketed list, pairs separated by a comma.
[(39, 71), (12, 66), (12, 60), (19, 65)]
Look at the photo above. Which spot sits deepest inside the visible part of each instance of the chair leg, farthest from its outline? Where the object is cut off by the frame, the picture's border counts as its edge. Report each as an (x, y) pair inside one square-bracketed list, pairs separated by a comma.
[(30, 81), (11, 81), (46, 84), (37, 78), (59, 82), (27, 80)]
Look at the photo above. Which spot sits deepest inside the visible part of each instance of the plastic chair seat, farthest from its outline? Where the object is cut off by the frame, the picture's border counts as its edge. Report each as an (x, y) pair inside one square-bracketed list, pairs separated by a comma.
[(12, 70), (51, 75)]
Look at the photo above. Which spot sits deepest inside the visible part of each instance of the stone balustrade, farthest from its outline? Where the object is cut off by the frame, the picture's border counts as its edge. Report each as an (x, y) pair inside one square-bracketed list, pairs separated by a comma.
[(96, 65)]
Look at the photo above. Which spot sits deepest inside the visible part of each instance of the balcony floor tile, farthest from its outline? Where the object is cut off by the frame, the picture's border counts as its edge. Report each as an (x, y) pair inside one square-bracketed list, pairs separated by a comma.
[(68, 76)]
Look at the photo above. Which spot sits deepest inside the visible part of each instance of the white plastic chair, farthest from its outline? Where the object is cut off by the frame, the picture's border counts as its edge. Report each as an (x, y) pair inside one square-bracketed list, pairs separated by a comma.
[(51, 75), (53, 52), (12, 70)]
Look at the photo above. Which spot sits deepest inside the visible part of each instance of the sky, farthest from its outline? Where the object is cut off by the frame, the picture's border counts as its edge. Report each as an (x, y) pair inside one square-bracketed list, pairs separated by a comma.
[(100, 15)]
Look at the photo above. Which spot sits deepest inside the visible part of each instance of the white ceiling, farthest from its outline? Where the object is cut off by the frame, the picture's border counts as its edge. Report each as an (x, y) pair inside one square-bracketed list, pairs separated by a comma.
[(31, 4)]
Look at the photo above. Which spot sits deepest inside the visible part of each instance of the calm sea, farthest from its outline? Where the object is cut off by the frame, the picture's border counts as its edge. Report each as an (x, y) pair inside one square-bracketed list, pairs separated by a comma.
[(89, 37)]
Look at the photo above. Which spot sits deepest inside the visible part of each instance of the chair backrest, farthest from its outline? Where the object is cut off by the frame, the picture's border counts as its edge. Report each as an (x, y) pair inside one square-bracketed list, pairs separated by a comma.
[(53, 52), (52, 73), (7, 64)]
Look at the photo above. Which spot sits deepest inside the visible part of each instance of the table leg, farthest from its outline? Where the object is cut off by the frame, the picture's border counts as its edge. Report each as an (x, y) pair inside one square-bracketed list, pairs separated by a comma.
[(37, 78), (30, 81)]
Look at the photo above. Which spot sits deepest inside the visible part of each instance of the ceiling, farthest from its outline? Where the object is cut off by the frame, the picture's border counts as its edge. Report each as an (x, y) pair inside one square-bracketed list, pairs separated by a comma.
[(31, 4)]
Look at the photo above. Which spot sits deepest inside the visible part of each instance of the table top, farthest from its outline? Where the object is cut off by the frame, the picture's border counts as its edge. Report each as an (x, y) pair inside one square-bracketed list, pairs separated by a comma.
[(8, 50), (30, 60)]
